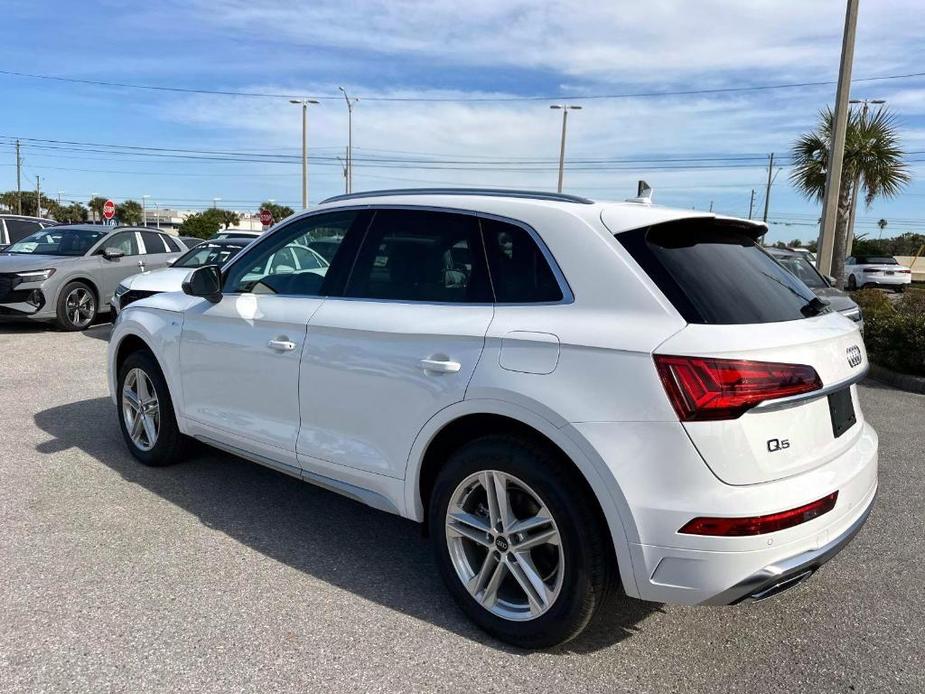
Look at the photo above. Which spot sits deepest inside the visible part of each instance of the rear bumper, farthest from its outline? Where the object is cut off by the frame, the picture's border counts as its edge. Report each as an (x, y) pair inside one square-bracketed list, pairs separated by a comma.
[(894, 281), (788, 572)]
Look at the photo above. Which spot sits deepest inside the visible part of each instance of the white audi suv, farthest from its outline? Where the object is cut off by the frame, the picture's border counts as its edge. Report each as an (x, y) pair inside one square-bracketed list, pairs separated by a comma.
[(572, 396)]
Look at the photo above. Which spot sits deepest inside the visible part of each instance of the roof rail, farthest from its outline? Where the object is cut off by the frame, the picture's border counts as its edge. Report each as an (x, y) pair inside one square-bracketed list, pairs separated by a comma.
[(490, 192)]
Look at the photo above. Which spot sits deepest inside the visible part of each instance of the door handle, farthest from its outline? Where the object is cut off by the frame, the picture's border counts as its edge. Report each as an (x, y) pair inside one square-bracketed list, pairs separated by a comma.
[(281, 345), (443, 366)]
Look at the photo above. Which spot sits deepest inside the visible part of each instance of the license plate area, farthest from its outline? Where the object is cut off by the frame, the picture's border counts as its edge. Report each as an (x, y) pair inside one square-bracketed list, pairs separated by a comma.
[(841, 408)]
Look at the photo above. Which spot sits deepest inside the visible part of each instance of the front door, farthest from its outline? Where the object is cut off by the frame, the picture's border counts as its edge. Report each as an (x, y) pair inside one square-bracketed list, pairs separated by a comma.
[(113, 271), (241, 356), (399, 346)]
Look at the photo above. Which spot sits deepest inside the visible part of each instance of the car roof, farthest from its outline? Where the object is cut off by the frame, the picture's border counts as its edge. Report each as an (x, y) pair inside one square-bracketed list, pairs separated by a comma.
[(783, 252), (617, 216), (28, 218)]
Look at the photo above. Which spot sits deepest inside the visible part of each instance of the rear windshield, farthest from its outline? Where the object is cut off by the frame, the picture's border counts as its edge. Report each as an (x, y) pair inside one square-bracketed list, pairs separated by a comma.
[(714, 273), (877, 260)]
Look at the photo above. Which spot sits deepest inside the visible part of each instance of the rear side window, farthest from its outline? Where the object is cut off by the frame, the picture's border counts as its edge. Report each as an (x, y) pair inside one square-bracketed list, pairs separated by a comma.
[(519, 271), (714, 273), (421, 256), (154, 243), (171, 244)]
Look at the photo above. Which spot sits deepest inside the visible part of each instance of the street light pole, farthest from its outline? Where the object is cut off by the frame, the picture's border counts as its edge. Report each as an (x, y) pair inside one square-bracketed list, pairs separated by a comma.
[(350, 103), (826, 242), (849, 243), (304, 103), (565, 108), (144, 210)]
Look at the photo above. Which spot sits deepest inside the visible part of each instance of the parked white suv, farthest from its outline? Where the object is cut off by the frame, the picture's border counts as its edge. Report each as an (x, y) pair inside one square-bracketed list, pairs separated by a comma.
[(571, 395)]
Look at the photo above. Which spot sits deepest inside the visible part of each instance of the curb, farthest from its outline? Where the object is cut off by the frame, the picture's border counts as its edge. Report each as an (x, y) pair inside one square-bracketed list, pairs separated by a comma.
[(907, 382)]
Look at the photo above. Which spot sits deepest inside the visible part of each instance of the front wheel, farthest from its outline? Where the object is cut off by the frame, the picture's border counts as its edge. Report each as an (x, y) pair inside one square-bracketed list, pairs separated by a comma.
[(852, 283), (517, 541), (76, 307), (146, 415)]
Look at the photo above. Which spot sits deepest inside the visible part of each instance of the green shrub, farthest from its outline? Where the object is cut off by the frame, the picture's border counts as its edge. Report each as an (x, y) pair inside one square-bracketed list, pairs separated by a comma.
[(894, 333)]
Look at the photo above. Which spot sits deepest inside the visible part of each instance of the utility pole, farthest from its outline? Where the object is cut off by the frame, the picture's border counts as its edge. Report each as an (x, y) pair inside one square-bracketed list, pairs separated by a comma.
[(767, 190), (711, 205), (38, 198), (18, 184), (343, 165), (350, 103), (826, 242), (144, 210), (751, 204), (304, 103), (849, 243), (565, 108)]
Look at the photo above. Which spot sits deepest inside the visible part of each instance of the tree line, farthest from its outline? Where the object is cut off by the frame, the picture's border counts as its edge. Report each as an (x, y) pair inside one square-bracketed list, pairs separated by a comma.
[(129, 212)]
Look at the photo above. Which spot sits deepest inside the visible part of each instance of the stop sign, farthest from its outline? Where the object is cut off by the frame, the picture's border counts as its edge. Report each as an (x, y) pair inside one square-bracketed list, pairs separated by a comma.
[(266, 217), (109, 209)]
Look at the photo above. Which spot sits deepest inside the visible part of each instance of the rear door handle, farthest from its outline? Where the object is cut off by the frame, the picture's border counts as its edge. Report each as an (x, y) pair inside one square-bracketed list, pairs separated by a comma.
[(281, 345), (443, 366)]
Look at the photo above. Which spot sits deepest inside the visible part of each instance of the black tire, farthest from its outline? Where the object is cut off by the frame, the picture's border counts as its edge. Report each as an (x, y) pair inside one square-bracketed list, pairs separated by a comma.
[(901, 289), (170, 445), (852, 283), (584, 539), (65, 310)]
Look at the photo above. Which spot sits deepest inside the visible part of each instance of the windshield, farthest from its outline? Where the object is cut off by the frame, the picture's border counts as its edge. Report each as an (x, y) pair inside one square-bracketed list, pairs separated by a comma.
[(803, 269), (209, 254), (58, 241)]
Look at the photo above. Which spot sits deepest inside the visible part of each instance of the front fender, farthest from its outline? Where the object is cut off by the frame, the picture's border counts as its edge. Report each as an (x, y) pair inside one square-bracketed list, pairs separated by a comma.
[(160, 331)]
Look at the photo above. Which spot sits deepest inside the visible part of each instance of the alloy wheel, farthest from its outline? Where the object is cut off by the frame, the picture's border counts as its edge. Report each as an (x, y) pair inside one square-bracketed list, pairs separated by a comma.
[(504, 545), (140, 409), (80, 307)]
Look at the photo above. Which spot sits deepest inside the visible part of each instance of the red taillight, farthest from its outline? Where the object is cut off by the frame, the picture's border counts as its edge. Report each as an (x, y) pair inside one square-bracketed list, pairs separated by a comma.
[(702, 388), (904, 272), (759, 525)]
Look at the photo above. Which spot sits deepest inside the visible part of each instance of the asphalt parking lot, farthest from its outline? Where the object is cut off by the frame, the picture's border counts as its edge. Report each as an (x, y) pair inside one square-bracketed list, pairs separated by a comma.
[(221, 575)]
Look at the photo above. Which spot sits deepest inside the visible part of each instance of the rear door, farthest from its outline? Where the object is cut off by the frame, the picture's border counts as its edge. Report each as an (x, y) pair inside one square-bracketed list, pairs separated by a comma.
[(754, 330), (399, 346)]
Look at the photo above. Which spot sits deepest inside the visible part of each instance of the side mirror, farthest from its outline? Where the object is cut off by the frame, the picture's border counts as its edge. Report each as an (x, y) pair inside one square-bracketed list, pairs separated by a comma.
[(206, 282), (113, 253)]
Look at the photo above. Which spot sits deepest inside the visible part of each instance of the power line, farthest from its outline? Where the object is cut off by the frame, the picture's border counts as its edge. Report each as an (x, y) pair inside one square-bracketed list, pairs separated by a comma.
[(437, 99)]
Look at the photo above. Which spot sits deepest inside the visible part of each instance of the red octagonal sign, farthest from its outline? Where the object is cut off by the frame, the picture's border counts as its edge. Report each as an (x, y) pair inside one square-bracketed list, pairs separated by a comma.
[(266, 217), (109, 209)]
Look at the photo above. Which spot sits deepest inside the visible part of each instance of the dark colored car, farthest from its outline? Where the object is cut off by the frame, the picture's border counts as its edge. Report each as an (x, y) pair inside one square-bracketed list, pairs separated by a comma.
[(799, 265)]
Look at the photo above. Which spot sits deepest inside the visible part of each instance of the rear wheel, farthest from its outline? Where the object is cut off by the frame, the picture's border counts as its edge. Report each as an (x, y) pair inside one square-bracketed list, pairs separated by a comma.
[(518, 542), (146, 415), (852, 283), (76, 307)]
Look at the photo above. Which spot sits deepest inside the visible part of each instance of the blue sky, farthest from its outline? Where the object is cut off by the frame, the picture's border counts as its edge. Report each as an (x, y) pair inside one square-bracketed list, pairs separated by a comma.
[(448, 53)]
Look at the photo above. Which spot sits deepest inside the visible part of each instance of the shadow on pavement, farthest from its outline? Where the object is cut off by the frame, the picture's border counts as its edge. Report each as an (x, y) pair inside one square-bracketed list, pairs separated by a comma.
[(375, 555)]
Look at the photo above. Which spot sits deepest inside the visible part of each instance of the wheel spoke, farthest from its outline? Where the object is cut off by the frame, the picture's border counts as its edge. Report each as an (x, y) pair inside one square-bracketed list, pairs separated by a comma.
[(150, 428), (504, 502), (532, 523), (478, 582), (142, 386), (526, 575), (469, 526), (130, 398), (490, 594), (488, 483), (137, 427), (546, 536)]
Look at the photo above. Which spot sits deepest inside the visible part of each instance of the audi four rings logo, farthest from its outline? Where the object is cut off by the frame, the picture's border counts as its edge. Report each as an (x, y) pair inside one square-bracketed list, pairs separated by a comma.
[(854, 355)]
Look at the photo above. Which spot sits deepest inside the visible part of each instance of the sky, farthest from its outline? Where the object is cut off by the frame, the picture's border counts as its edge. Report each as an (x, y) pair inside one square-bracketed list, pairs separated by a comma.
[(450, 94)]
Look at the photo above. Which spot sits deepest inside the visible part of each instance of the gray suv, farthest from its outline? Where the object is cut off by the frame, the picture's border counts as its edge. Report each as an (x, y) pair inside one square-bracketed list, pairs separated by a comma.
[(68, 273)]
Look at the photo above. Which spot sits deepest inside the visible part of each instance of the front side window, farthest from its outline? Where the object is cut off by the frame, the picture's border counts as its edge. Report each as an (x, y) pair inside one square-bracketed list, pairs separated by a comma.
[(125, 241), (57, 241), (412, 255), (520, 273), (284, 263)]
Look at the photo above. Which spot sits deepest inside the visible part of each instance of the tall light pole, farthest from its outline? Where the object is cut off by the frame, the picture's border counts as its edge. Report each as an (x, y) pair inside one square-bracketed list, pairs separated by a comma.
[(350, 103), (157, 215), (826, 242), (565, 108), (849, 243), (304, 103), (144, 210)]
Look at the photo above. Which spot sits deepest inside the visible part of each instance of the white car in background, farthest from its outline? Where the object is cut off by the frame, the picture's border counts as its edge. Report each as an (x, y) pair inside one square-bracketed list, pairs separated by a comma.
[(170, 279), (876, 271), (572, 395)]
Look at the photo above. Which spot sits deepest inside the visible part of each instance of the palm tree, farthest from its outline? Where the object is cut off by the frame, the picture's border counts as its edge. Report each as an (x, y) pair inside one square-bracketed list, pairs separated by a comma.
[(872, 156)]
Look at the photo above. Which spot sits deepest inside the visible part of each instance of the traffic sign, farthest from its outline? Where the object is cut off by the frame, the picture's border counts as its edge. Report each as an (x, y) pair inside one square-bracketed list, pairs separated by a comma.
[(266, 217), (109, 209)]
